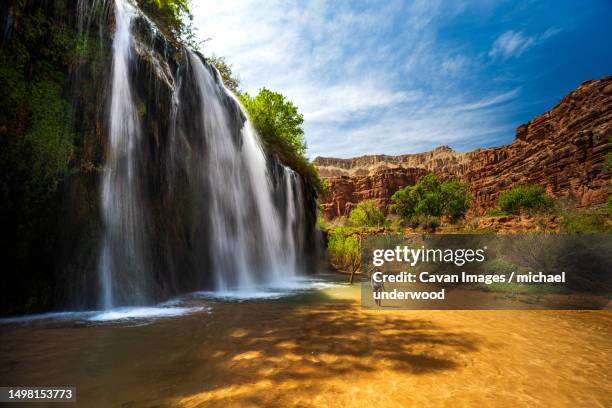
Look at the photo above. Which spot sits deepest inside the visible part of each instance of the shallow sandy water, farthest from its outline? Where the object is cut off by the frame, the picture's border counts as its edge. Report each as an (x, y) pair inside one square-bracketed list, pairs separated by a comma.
[(322, 350)]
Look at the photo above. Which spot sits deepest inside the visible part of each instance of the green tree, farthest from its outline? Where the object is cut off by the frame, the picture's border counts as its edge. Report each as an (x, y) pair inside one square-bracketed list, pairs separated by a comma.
[(279, 124), (404, 202), (527, 197), (277, 121), (456, 198), (344, 250), (171, 15), (366, 214), (430, 197)]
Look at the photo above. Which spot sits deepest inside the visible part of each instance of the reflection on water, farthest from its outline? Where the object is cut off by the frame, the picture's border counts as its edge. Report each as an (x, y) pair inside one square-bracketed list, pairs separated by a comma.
[(184, 305)]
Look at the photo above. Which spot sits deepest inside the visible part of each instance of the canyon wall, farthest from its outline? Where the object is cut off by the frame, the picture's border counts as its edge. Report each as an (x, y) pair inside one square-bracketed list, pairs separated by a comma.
[(563, 150), (112, 191), (346, 191)]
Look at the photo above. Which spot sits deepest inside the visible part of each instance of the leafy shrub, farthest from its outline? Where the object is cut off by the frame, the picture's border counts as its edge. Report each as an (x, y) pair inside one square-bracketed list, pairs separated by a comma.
[(456, 199), (279, 124), (173, 15), (427, 222), (344, 249), (432, 198), (322, 223), (366, 214), (528, 197), (589, 221), (276, 120), (405, 201)]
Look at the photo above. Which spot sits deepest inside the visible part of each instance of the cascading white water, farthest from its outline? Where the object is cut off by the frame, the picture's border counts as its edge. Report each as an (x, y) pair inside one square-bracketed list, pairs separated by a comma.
[(293, 217), (250, 246), (121, 265), (243, 224)]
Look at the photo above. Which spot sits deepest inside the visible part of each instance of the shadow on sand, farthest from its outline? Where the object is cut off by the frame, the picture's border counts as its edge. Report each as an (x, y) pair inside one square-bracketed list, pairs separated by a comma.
[(298, 349), (242, 354)]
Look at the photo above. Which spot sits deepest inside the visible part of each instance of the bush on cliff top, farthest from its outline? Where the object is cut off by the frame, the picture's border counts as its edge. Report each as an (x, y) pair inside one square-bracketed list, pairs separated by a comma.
[(527, 197), (366, 214), (433, 198), (279, 124), (171, 15)]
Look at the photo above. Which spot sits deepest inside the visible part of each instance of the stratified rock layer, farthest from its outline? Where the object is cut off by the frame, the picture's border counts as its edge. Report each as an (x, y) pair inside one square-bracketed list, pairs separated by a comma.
[(346, 191), (563, 150), (441, 158)]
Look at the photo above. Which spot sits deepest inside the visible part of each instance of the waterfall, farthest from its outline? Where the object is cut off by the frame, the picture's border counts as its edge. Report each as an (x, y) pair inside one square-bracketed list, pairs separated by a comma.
[(294, 219), (122, 266), (224, 215), (247, 232)]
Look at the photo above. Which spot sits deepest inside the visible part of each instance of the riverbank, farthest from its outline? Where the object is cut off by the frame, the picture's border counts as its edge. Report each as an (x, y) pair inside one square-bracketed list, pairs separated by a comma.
[(321, 349)]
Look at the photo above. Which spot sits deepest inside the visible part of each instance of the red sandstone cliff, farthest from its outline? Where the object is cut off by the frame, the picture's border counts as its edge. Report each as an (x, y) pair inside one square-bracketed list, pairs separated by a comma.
[(563, 150), (346, 191)]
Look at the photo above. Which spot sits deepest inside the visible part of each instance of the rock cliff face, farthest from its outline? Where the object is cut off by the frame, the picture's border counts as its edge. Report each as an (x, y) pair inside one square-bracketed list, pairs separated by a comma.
[(441, 158), (563, 150), (346, 191), (64, 227)]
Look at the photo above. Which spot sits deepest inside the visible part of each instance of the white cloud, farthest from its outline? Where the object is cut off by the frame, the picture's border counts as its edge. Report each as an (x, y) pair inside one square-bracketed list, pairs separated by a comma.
[(511, 44), (338, 103), (367, 76), (419, 127), (514, 44), (455, 65)]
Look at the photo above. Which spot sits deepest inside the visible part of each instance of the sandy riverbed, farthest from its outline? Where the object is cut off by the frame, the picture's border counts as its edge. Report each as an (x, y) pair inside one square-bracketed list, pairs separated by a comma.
[(322, 351)]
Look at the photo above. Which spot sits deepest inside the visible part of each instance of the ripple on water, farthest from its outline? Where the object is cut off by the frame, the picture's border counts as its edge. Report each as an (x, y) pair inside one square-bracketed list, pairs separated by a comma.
[(177, 307), (136, 313), (117, 314), (276, 291)]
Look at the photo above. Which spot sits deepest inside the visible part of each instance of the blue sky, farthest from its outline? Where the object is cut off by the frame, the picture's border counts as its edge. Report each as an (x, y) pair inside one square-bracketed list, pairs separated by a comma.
[(399, 77)]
